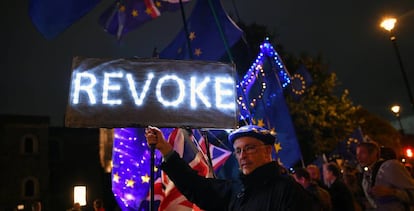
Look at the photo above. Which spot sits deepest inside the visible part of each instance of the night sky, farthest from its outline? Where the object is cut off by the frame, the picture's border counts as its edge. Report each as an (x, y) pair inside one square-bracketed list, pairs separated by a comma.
[(36, 72)]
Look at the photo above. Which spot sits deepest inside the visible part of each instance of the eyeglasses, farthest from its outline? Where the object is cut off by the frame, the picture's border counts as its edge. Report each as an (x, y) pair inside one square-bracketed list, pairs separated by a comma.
[(249, 149)]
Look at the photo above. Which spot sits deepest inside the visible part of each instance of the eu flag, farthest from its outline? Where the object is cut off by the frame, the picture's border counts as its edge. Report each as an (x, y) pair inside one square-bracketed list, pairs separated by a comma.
[(300, 82), (266, 103), (211, 31), (346, 149), (124, 16), (52, 17)]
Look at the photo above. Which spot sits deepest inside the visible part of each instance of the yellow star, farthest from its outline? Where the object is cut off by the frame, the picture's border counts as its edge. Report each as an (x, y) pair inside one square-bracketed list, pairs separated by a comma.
[(155, 169), (116, 178), (122, 8), (260, 123), (198, 52), (278, 147), (134, 13), (130, 183), (145, 178), (192, 36), (148, 11), (158, 4)]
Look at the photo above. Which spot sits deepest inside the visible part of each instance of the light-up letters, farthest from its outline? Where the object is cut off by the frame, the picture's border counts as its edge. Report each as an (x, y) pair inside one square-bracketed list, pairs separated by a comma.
[(181, 91), (87, 87), (164, 93), (131, 83), (221, 93), (111, 87), (198, 91), (115, 82)]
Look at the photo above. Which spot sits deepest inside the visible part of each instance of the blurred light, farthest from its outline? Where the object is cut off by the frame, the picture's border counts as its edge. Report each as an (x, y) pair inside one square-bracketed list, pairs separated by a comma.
[(409, 152), (20, 207), (388, 23), (79, 195), (403, 160), (396, 109)]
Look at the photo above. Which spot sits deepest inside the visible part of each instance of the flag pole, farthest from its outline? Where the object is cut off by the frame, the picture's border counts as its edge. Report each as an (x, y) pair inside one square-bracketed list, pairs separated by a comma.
[(187, 33), (152, 166), (207, 145), (222, 35)]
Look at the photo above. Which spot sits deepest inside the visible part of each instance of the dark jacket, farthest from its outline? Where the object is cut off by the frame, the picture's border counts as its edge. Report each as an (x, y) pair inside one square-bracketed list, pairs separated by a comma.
[(341, 196), (263, 189)]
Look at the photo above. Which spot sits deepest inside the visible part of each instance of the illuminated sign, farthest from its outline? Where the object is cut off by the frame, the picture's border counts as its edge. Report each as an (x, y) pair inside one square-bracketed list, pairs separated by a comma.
[(140, 92)]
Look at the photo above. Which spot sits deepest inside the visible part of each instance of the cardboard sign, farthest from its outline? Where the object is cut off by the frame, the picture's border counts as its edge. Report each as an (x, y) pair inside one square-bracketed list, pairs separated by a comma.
[(140, 92)]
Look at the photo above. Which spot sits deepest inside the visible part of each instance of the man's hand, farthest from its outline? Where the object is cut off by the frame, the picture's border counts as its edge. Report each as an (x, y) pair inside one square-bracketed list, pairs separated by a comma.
[(156, 138)]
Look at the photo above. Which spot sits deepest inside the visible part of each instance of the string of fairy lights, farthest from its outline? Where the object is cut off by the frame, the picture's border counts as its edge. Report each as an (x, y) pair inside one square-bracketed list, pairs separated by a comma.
[(255, 72)]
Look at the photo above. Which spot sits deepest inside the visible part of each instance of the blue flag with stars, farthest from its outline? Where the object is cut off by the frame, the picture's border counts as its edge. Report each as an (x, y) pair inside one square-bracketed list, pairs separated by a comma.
[(124, 16), (266, 102), (346, 149), (211, 31), (300, 82)]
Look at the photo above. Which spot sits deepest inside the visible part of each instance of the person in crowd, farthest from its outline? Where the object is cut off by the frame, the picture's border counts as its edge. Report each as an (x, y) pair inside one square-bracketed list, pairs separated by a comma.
[(341, 196), (260, 186), (321, 198), (36, 206), (315, 175), (386, 183), (352, 178), (76, 207), (98, 205)]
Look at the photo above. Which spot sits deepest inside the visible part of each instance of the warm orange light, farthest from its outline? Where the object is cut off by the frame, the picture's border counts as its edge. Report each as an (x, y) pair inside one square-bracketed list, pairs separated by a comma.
[(396, 109), (388, 24), (409, 152)]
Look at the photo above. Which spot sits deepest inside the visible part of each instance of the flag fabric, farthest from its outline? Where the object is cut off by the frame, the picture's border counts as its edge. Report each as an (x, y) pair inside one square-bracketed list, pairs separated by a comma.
[(165, 191), (346, 149), (267, 106), (210, 30), (218, 155), (124, 16), (301, 80), (52, 17)]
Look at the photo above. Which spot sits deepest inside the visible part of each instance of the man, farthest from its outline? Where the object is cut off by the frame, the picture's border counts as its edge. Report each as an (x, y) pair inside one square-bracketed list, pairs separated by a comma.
[(322, 199), (315, 175), (341, 197), (261, 186), (387, 184)]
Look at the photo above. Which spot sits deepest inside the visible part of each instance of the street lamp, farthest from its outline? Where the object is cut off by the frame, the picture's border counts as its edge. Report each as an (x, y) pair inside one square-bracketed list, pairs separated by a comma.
[(396, 110), (388, 24)]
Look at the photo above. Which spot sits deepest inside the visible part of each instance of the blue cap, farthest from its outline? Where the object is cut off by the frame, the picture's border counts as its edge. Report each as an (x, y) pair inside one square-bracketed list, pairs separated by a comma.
[(254, 131)]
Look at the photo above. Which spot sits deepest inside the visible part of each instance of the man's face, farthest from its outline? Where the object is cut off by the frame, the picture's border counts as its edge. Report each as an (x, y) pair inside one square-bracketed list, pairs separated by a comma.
[(251, 153), (314, 173), (364, 157)]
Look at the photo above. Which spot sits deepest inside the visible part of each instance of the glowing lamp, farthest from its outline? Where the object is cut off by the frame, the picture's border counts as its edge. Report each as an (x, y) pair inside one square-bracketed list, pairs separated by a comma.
[(388, 24), (79, 195), (409, 153), (396, 110)]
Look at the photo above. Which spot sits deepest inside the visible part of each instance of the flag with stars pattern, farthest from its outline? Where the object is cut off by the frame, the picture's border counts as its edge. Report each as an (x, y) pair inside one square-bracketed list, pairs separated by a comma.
[(301, 80), (268, 108), (206, 40), (124, 16)]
